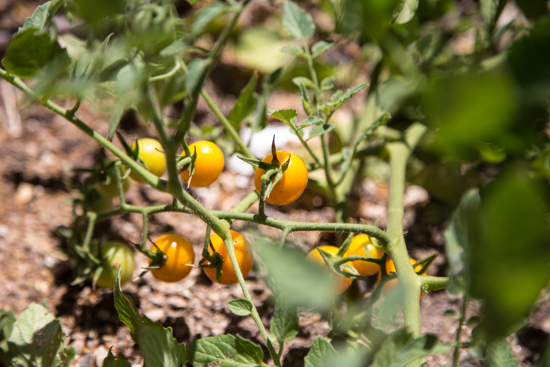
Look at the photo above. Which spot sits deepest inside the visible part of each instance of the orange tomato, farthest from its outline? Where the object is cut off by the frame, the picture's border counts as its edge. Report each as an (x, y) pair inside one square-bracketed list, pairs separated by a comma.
[(208, 165), (179, 253), (357, 247)]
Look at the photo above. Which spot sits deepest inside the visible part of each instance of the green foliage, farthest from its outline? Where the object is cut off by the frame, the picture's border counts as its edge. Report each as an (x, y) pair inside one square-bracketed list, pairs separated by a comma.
[(240, 307), (298, 23), (284, 324), (320, 351), (225, 350), (499, 354)]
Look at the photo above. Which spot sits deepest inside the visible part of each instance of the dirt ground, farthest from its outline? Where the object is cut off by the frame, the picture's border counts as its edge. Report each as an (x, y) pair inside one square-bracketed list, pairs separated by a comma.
[(39, 152)]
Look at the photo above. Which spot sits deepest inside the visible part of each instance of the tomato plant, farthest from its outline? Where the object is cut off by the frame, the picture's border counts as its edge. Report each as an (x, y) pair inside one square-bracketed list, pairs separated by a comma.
[(244, 255), (115, 255), (315, 255), (208, 165), (151, 154), (357, 246), (180, 257), (390, 270), (292, 184)]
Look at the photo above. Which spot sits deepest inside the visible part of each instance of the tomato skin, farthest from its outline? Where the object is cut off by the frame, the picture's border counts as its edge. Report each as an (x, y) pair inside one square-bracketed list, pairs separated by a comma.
[(150, 152), (244, 255), (293, 183), (390, 270), (108, 188), (208, 165), (315, 256), (357, 247), (97, 203), (117, 254), (179, 252)]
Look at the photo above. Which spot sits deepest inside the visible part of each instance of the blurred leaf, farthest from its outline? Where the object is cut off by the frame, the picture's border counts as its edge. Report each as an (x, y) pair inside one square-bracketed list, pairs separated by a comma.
[(510, 258), (327, 83), (284, 324), (298, 23), (259, 48), (207, 15), (320, 47), (285, 265), (320, 130), (395, 90), (500, 354), (405, 11), (458, 238), (258, 121), (489, 9), (320, 351), (240, 307), (42, 15), (177, 48), (371, 18), (490, 152), (467, 108), (37, 340), (225, 350), (114, 121), (294, 50), (95, 10), (533, 9), (29, 51), (244, 105), (302, 80), (286, 116), (339, 98), (312, 120), (427, 345), (389, 349), (156, 342), (196, 75)]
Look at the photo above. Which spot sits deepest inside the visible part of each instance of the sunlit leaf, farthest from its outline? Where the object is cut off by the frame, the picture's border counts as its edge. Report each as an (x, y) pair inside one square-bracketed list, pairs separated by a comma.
[(499, 354), (298, 23), (405, 11), (240, 307), (284, 324), (320, 351)]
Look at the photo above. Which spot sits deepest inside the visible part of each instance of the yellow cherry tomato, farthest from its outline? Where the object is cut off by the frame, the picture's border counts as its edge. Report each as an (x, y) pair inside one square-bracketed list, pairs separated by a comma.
[(293, 183), (208, 165), (116, 255), (179, 253), (107, 188), (151, 153), (390, 270), (315, 255), (357, 247), (243, 252)]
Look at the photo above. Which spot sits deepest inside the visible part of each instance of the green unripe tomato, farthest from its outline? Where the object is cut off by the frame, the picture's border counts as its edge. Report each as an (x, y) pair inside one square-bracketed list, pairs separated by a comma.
[(116, 255), (94, 202), (107, 187)]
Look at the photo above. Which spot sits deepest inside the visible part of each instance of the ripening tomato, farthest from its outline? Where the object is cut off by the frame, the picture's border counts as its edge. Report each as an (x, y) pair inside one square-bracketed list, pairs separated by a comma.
[(208, 165), (315, 255), (151, 153), (293, 183), (357, 247), (243, 252), (116, 255), (107, 187), (179, 253)]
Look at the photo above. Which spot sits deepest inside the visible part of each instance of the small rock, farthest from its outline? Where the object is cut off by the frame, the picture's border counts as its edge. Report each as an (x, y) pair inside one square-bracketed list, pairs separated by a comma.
[(24, 194)]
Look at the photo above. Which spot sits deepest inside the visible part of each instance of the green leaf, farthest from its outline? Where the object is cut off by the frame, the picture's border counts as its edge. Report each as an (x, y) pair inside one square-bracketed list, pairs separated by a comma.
[(177, 48), (499, 354), (312, 120), (320, 130), (225, 351), (42, 15), (240, 307), (405, 11), (111, 361), (207, 15), (339, 97), (489, 9), (196, 76), (424, 346), (320, 351), (95, 10), (258, 120), (114, 121), (301, 80), (298, 23), (7, 319), (156, 342), (327, 83), (510, 268), (29, 51), (285, 321), (244, 105), (37, 340), (286, 116), (294, 50), (389, 349), (458, 237), (319, 47)]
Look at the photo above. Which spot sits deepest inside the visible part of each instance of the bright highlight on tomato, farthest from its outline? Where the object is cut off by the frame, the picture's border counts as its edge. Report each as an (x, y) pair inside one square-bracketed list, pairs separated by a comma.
[(315, 255), (116, 255), (357, 247), (293, 183), (243, 252), (208, 165), (179, 253), (151, 153)]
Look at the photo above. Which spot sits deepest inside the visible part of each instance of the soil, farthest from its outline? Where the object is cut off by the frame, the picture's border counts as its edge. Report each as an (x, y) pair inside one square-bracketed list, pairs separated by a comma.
[(40, 151)]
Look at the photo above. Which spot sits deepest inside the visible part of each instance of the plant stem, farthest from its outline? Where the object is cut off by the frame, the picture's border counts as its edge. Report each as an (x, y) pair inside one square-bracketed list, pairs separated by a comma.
[(456, 352), (399, 154)]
